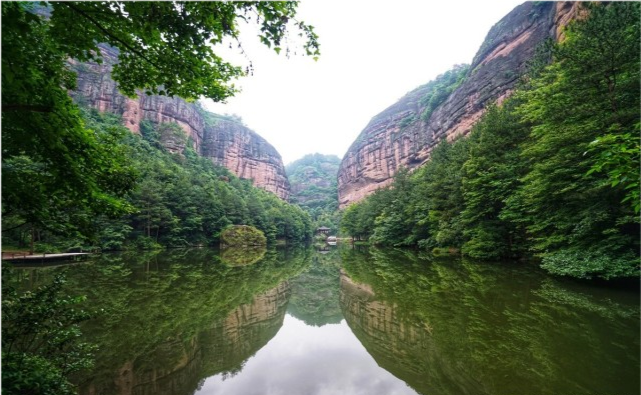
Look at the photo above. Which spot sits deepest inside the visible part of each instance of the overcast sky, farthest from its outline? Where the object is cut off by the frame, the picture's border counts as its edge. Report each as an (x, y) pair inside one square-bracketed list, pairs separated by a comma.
[(372, 53)]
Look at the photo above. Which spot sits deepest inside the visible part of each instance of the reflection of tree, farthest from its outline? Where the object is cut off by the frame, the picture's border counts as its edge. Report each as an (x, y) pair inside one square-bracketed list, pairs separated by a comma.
[(178, 317), (457, 327), (239, 256), (315, 292)]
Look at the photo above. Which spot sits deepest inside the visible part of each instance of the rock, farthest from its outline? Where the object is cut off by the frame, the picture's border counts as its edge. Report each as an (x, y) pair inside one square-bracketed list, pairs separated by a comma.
[(227, 143), (399, 137)]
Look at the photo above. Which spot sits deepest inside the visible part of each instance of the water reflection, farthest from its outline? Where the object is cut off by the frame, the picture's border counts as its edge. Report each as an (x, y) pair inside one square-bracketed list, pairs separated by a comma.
[(170, 320), (456, 327), (315, 292), (345, 321), (239, 256)]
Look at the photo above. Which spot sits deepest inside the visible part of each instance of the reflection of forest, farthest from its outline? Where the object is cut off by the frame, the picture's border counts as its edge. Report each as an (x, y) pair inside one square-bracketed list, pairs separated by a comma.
[(170, 320), (457, 327), (315, 292)]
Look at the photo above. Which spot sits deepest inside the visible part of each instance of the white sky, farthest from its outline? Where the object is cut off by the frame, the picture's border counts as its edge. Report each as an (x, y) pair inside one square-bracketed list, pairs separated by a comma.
[(372, 53)]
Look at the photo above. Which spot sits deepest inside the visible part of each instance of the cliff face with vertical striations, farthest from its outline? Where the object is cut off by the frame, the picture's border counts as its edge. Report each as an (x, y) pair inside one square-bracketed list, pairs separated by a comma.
[(246, 154), (403, 136), (225, 142)]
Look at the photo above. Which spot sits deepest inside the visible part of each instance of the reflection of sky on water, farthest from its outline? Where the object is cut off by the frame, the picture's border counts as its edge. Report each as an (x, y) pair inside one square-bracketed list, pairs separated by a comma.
[(307, 360)]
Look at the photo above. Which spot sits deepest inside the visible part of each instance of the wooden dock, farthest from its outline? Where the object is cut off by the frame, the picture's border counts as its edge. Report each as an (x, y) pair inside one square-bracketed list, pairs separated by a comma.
[(26, 258)]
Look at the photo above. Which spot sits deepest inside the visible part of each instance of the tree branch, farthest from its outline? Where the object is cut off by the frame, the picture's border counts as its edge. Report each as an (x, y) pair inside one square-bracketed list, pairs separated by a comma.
[(15, 227), (109, 34)]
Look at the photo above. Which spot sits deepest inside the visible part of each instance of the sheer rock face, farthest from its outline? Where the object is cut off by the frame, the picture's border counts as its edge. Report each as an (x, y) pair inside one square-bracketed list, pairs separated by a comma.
[(386, 144), (247, 155), (227, 143)]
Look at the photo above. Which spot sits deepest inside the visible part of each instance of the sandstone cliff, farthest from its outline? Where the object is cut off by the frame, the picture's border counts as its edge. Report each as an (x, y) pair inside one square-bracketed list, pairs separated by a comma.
[(228, 143), (223, 140), (402, 136)]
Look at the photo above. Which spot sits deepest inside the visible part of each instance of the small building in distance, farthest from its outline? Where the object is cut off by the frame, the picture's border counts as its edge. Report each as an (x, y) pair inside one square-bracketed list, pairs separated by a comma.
[(323, 231)]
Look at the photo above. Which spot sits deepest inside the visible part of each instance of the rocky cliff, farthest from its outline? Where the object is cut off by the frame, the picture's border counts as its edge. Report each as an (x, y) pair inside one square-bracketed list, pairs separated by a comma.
[(248, 155), (405, 133), (225, 141)]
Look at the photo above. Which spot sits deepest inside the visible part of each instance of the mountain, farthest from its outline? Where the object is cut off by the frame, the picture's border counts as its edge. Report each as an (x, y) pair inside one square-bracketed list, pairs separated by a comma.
[(222, 139), (404, 134), (313, 182)]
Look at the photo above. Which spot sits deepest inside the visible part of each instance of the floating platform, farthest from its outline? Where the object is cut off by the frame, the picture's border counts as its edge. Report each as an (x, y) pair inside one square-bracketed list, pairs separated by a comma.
[(43, 258)]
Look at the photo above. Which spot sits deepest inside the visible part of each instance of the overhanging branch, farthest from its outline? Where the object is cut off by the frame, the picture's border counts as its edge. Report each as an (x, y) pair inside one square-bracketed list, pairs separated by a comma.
[(109, 34)]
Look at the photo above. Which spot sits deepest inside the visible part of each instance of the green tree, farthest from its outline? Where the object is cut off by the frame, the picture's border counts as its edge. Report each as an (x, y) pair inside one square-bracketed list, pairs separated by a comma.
[(40, 345), (313, 181), (573, 213), (490, 176), (442, 178)]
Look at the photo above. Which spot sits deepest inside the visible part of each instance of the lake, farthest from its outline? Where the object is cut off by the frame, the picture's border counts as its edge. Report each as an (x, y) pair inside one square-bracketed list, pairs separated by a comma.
[(347, 321)]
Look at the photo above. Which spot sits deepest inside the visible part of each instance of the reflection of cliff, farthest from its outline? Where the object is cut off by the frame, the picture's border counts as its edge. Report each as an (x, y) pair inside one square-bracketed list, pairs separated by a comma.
[(179, 364), (403, 347), (450, 327)]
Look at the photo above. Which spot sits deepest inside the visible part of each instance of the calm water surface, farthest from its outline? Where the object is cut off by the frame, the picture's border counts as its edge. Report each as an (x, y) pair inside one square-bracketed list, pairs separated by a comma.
[(345, 321)]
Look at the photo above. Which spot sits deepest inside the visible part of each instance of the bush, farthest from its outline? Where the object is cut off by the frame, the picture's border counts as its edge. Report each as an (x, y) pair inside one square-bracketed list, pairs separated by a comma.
[(242, 235), (40, 339)]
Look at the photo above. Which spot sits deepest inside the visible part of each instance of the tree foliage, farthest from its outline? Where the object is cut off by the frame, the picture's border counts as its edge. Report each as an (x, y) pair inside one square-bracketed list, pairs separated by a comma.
[(441, 88), (169, 48), (40, 345), (178, 199)]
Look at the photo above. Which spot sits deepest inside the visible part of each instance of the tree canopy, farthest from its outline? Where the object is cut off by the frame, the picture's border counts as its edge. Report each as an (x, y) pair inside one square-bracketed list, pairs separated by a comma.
[(314, 186)]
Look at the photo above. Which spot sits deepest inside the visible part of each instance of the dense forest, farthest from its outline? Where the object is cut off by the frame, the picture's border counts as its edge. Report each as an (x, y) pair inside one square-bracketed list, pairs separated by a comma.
[(552, 173), (177, 199), (314, 188)]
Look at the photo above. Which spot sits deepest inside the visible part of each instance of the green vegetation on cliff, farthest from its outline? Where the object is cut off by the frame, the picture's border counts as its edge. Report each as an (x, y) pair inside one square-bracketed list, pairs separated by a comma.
[(553, 172), (314, 187), (439, 89)]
